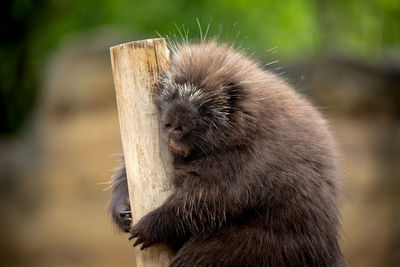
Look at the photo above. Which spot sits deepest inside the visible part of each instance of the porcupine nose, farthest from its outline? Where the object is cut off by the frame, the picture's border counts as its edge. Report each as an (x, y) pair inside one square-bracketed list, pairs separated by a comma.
[(178, 121), (174, 129)]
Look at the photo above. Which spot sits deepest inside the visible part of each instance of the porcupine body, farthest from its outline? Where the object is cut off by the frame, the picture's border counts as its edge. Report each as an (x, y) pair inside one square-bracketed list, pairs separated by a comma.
[(256, 173)]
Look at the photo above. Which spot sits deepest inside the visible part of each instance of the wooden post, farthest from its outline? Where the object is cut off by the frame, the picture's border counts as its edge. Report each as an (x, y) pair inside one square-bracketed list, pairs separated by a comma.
[(136, 66)]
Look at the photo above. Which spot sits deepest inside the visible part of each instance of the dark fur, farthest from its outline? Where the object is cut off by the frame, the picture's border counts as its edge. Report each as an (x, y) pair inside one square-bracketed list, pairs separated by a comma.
[(256, 172)]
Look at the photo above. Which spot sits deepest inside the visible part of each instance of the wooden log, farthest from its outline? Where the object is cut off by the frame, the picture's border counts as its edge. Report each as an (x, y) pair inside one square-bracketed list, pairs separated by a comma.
[(136, 66)]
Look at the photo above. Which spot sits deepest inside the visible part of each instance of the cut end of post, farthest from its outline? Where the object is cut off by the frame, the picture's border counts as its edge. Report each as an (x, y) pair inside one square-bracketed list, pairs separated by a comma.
[(152, 54), (148, 43)]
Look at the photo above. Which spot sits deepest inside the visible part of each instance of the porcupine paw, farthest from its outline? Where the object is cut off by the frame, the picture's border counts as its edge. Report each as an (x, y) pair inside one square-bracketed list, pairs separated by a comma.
[(122, 216)]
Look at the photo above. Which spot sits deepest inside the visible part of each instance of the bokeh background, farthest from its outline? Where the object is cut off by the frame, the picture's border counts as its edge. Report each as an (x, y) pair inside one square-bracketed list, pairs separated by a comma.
[(59, 132)]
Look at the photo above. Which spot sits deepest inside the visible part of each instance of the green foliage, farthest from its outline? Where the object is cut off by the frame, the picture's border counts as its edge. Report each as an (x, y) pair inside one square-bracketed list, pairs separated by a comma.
[(363, 28), (298, 28)]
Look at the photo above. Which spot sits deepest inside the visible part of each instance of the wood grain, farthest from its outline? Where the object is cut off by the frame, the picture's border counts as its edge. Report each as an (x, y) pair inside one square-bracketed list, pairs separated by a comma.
[(136, 66)]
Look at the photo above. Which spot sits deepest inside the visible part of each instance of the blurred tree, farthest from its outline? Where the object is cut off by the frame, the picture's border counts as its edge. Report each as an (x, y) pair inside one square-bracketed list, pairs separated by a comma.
[(18, 78)]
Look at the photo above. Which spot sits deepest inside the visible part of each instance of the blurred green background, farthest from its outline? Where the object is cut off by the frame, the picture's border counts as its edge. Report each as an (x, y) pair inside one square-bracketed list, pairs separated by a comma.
[(59, 126)]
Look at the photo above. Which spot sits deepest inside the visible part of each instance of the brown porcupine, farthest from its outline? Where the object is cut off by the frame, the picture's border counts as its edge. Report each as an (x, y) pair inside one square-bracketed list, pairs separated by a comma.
[(256, 173)]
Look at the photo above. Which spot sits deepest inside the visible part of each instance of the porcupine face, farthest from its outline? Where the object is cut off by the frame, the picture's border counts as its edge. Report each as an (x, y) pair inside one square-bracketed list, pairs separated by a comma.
[(198, 99), (186, 119), (181, 123)]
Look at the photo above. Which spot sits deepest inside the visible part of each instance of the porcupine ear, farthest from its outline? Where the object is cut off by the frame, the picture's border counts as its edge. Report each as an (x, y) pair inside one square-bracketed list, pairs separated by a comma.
[(234, 94)]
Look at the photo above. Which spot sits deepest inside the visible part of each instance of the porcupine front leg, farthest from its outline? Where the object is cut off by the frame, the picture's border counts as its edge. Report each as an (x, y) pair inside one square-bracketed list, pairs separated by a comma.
[(189, 211), (120, 208)]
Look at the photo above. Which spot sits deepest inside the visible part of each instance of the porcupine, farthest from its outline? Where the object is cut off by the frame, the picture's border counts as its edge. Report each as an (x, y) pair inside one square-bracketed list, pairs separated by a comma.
[(256, 176)]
